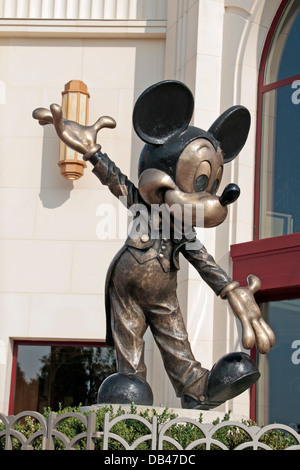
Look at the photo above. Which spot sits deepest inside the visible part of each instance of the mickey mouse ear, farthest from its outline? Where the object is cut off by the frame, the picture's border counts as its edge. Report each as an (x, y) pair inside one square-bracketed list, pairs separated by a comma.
[(163, 111), (231, 131)]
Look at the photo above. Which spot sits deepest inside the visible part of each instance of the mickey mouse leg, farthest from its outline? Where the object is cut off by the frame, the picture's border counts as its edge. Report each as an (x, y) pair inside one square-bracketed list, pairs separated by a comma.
[(170, 334), (128, 328), (198, 387)]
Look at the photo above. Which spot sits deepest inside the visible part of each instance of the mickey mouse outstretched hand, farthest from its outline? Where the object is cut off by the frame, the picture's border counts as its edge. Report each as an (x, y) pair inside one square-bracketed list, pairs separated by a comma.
[(82, 139), (254, 329)]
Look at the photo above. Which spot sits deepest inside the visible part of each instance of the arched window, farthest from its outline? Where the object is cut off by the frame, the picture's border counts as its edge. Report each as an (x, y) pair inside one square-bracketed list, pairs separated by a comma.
[(275, 252), (278, 151)]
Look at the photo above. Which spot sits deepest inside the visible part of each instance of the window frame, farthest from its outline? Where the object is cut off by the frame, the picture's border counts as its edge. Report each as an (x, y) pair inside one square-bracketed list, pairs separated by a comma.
[(261, 90), (263, 255), (27, 342)]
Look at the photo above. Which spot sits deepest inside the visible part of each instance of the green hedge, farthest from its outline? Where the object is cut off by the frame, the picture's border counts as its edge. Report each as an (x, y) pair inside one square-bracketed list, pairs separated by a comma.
[(131, 429)]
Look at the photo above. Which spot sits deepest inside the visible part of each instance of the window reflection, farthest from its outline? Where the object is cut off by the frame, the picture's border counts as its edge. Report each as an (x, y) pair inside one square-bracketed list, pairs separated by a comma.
[(280, 164), (54, 375), (278, 389), (280, 129), (283, 58)]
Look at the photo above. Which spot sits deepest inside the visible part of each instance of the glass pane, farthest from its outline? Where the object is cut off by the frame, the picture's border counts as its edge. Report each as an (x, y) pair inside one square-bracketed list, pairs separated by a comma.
[(283, 60), (278, 389), (280, 164), (53, 375)]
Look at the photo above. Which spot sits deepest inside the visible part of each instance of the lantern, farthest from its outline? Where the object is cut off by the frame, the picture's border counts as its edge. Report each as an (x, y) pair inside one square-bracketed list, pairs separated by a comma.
[(75, 99)]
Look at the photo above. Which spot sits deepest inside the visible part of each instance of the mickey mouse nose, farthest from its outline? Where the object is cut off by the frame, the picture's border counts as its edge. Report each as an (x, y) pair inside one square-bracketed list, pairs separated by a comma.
[(230, 194)]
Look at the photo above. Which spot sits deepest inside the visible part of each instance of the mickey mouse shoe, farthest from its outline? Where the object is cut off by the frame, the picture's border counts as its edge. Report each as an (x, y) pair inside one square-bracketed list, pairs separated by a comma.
[(123, 389), (230, 376)]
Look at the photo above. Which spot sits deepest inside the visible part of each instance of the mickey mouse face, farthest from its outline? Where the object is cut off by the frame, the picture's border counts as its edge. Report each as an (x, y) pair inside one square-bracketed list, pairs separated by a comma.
[(182, 164), (199, 167)]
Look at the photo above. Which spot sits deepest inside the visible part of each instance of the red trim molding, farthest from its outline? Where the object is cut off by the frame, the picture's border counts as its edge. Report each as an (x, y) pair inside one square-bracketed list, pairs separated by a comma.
[(276, 261)]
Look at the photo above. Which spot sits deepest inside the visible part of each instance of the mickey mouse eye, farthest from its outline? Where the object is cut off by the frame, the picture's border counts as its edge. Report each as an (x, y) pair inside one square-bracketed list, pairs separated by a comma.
[(214, 186), (201, 183)]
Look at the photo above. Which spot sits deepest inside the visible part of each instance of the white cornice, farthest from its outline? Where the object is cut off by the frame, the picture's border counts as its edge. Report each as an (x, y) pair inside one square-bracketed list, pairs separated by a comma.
[(82, 28)]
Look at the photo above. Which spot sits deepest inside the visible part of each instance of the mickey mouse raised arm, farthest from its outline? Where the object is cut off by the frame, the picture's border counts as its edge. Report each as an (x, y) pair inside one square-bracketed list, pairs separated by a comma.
[(180, 166)]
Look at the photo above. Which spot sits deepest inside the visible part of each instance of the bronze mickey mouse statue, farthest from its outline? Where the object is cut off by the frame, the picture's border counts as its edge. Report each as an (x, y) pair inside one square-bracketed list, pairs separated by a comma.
[(180, 166)]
